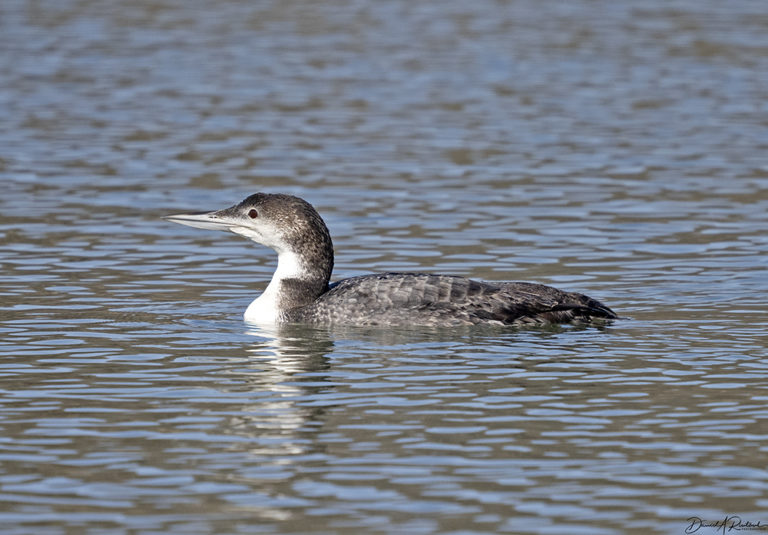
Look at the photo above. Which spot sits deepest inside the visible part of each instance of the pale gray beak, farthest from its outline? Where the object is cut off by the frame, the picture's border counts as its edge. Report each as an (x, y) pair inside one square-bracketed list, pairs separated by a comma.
[(219, 220)]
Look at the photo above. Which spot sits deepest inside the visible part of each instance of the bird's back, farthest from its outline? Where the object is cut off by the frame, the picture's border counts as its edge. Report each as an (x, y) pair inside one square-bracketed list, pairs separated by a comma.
[(443, 300)]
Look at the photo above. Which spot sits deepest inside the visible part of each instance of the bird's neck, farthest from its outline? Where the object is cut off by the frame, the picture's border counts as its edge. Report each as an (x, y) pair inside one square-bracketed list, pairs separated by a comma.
[(297, 282)]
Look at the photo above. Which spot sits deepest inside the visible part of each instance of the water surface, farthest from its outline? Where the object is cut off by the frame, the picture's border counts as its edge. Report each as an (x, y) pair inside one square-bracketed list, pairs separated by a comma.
[(601, 147)]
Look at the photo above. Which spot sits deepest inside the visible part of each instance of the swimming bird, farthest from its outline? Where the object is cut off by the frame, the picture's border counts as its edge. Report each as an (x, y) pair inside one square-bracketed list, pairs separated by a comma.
[(299, 291)]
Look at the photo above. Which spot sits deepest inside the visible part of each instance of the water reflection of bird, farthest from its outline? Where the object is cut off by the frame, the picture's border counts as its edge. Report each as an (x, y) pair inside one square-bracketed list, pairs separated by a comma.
[(300, 291)]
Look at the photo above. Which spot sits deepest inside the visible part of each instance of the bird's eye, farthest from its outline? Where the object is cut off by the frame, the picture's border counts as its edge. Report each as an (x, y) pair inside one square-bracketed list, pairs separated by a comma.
[(253, 214)]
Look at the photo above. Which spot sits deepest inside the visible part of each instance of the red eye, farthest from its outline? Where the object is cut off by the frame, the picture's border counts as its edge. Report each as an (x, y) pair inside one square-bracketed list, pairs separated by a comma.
[(253, 214)]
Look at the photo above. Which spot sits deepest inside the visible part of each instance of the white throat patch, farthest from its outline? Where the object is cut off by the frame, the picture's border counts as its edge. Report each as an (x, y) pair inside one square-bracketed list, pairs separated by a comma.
[(265, 309)]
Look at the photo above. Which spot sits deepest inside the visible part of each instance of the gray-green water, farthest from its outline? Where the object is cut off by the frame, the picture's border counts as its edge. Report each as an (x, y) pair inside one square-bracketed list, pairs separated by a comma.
[(614, 148)]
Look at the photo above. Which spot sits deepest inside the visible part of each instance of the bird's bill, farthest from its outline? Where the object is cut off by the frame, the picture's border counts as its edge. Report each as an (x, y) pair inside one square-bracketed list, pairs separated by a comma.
[(219, 220)]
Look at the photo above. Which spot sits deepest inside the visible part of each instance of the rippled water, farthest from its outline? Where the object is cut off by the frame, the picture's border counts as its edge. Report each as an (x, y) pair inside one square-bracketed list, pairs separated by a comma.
[(609, 148)]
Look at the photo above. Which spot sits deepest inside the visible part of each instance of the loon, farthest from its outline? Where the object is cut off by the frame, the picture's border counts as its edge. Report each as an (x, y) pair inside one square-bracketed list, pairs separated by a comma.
[(299, 291)]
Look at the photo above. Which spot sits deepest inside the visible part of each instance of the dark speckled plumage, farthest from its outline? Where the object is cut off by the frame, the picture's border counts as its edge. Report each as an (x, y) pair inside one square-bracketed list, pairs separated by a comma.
[(444, 300)]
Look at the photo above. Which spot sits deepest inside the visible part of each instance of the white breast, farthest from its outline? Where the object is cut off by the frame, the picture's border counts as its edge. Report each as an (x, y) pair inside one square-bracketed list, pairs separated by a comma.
[(262, 310)]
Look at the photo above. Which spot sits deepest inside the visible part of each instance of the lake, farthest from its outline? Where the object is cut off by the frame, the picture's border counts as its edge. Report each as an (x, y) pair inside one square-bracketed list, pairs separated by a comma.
[(612, 148)]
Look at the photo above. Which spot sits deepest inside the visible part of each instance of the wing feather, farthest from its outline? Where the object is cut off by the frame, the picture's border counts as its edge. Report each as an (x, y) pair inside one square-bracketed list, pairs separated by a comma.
[(425, 299)]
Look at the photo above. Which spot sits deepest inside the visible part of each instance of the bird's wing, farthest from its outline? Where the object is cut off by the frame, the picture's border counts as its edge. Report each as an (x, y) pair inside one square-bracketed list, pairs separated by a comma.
[(418, 298)]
